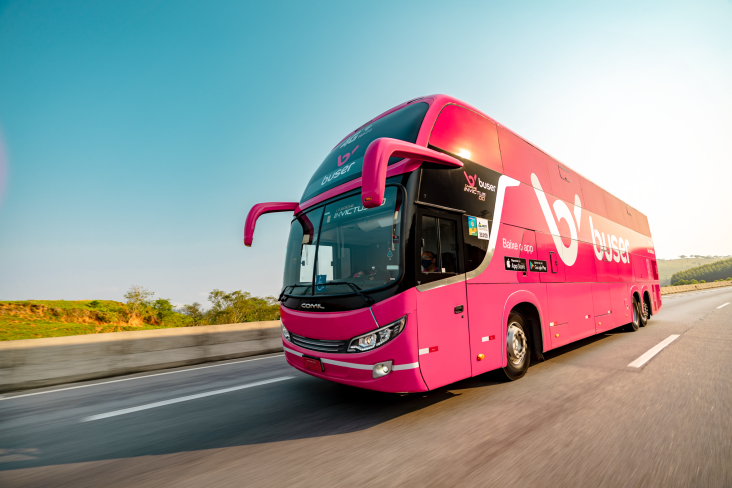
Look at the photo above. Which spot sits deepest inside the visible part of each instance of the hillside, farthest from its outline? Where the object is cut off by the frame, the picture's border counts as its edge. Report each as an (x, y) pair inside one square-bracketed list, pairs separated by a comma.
[(54, 318), (719, 270), (667, 267)]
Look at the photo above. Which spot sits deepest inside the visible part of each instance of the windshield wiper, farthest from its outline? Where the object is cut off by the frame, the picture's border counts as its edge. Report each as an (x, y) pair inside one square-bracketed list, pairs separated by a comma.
[(282, 295), (369, 300)]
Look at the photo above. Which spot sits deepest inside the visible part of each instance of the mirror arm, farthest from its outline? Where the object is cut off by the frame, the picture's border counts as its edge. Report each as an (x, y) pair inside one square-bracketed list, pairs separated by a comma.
[(259, 210), (376, 160)]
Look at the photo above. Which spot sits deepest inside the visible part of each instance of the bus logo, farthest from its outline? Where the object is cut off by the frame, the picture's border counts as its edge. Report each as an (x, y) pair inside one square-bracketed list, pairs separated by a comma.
[(346, 156), (567, 253)]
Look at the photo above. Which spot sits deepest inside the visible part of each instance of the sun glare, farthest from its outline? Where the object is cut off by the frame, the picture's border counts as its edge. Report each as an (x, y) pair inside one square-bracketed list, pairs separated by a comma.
[(464, 153)]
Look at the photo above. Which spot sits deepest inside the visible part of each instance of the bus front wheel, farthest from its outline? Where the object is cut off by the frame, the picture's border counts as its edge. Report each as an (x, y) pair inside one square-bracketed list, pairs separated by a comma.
[(518, 351)]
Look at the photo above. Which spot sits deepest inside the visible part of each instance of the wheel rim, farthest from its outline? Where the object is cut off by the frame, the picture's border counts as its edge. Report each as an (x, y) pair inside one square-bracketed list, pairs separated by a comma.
[(635, 315), (515, 344), (645, 311)]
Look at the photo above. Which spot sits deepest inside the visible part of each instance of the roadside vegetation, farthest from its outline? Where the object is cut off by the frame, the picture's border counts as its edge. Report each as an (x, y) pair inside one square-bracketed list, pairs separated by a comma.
[(717, 271), (668, 267), (30, 319)]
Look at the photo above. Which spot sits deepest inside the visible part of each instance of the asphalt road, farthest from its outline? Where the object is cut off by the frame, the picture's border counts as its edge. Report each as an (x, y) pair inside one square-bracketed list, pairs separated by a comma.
[(581, 418)]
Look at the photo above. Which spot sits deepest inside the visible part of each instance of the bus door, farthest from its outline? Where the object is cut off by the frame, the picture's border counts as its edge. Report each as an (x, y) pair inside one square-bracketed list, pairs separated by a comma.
[(443, 335)]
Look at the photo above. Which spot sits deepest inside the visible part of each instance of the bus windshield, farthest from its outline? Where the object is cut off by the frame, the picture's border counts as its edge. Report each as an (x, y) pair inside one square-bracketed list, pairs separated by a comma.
[(344, 163), (332, 248)]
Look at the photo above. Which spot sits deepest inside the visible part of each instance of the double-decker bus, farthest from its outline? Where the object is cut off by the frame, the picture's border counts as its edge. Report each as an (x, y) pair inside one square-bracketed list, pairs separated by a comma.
[(433, 244)]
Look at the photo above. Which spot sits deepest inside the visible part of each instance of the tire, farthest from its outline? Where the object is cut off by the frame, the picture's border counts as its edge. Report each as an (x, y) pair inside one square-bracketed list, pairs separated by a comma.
[(518, 348), (636, 323), (645, 314)]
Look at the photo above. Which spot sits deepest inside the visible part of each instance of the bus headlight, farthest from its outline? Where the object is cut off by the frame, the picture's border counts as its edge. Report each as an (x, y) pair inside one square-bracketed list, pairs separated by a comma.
[(285, 333), (377, 338)]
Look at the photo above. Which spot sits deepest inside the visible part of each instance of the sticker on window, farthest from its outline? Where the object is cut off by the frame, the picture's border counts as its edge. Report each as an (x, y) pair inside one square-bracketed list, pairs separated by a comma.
[(473, 226), (483, 229), (320, 280)]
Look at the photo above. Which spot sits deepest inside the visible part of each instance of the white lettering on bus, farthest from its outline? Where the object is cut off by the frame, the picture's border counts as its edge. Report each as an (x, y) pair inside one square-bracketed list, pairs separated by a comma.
[(336, 174), (486, 185), (474, 191), (355, 136), (567, 253), (509, 244), (614, 248)]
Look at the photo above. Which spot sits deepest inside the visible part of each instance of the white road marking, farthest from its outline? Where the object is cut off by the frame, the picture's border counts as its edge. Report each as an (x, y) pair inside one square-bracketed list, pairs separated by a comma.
[(653, 351), (723, 305), (182, 399), (136, 378)]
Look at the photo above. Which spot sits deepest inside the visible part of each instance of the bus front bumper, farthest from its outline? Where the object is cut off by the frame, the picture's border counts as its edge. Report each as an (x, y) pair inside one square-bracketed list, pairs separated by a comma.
[(404, 377)]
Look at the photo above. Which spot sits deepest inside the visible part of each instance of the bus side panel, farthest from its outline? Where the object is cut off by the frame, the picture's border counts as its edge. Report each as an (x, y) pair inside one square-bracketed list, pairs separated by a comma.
[(639, 268), (548, 252), (621, 302), (578, 297), (657, 298), (521, 209), (583, 270), (443, 335), (607, 271), (520, 159), (529, 253), (565, 182)]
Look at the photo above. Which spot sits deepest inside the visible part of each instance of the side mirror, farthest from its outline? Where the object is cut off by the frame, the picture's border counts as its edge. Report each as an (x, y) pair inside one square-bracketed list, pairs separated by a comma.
[(261, 209), (376, 160)]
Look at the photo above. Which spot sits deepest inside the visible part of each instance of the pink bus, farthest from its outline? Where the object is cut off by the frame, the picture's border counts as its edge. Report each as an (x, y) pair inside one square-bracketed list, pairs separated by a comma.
[(433, 244)]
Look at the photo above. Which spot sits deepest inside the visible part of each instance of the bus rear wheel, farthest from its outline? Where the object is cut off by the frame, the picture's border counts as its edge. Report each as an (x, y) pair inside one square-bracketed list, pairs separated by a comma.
[(517, 348), (645, 314), (636, 323)]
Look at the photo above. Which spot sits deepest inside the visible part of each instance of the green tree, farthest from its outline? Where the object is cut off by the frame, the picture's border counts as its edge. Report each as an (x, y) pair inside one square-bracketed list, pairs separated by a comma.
[(163, 309), (195, 311), (138, 299), (238, 306)]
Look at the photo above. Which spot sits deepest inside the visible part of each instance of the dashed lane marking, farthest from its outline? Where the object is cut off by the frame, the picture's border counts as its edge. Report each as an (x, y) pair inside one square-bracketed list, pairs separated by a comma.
[(723, 305), (183, 399), (653, 351)]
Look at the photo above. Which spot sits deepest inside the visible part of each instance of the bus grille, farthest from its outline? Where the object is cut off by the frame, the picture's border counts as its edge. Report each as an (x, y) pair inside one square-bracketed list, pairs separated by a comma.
[(319, 345)]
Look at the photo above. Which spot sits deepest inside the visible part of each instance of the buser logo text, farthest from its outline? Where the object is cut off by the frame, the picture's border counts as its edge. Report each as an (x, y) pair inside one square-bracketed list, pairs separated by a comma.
[(312, 305)]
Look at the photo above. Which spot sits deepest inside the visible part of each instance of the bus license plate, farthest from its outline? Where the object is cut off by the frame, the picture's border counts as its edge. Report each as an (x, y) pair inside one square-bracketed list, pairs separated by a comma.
[(313, 364)]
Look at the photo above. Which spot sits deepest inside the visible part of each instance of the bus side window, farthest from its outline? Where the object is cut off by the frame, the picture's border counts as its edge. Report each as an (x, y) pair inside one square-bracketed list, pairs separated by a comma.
[(439, 246), (430, 261), (448, 246)]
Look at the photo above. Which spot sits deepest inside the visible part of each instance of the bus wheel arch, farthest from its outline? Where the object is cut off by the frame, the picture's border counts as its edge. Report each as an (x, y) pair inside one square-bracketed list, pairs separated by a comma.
[(636, 322), (647, 309), (647, 299), (527, 306), (532, 319)]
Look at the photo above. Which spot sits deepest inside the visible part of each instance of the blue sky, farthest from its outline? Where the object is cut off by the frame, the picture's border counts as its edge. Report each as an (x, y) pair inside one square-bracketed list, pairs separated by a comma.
[(137, 135)]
